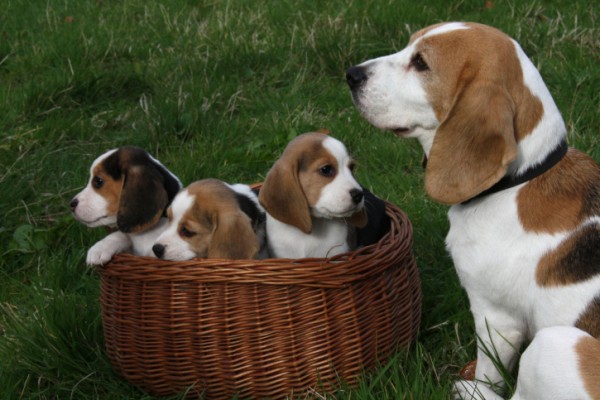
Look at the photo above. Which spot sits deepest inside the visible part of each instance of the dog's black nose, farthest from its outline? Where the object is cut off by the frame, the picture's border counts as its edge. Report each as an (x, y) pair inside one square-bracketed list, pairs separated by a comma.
[(355, 76), (73, 204), (159, 250), (357, 195)]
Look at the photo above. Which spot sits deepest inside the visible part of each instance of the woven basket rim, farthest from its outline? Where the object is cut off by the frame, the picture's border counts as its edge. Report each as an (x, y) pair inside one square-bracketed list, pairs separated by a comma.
[(339, 270)]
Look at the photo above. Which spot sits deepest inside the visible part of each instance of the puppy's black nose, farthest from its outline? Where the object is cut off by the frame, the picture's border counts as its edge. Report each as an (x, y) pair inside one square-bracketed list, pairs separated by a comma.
[(357, 195), (159, 250), (355, 76), (73, 204)]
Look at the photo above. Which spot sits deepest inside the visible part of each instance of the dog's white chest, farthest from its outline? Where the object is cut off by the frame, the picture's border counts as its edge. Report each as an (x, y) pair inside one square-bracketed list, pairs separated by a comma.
[(328, 238), (496, 259), (492, 253)]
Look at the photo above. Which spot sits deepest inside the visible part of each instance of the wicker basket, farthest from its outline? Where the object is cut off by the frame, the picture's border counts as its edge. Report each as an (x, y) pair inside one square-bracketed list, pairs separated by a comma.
[(260, 328)]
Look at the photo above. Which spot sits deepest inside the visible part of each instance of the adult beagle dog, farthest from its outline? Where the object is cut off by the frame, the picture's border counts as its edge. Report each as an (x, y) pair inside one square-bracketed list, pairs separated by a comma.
[(211, 219), (312, 199), (128, 190), (525, 209)]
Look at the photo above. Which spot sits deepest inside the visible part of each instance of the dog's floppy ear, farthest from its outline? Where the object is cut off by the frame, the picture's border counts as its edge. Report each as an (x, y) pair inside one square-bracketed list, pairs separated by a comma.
[(147, 190), (233, 237), (282, 196), (473, 145)]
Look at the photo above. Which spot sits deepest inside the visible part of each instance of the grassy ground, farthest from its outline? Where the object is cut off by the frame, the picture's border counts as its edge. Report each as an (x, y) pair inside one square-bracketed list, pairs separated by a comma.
[(216, 89)]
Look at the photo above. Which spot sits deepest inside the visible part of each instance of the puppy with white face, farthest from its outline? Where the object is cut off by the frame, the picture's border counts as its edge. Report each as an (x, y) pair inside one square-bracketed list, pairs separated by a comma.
[(128, 190), (312, 199), (525, 211), (211, 219)]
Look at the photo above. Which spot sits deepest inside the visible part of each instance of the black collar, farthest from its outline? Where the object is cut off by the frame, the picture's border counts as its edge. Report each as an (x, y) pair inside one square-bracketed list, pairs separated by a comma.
[(511, 181)]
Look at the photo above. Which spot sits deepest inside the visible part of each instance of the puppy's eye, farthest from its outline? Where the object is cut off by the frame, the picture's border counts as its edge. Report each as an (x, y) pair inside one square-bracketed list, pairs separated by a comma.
[(97, 182), (352, 167), (327, 170), (419, 63), (186, 232)]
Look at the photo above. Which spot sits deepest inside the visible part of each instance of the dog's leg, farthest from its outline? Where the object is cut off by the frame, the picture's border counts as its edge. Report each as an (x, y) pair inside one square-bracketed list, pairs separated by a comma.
[(103, 250), (499, 344), (473, 390), (550, 366)]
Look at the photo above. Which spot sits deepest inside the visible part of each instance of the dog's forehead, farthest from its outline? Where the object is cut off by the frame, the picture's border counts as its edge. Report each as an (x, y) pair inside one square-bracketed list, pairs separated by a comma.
[(462, 38), (336, 148), (182, 203), (307, 142), (438, 29), (306, 149), (210, 195), (97, 165)]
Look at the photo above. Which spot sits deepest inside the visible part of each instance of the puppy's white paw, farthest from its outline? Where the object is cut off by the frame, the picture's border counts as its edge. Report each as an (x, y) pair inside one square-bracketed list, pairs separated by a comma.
[(474, 390), (99, 254), (105, 249)]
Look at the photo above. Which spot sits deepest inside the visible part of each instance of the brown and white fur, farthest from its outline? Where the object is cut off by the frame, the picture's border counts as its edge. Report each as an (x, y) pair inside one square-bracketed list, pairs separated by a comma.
[(312, 199), (529, 255), (211, 219), (128, 190)]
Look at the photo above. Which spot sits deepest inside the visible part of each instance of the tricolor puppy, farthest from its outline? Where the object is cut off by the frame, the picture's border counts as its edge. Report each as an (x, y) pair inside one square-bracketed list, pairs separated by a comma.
[(128, 190), (312, 200), (525, 216), (211, 219)]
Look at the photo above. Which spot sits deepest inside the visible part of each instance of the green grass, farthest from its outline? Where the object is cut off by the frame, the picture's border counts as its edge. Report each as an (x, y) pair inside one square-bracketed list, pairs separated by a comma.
[(216, 89)]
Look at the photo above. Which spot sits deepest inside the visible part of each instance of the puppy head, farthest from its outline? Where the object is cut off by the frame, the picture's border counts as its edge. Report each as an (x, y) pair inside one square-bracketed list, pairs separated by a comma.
[(459, 88), (128, 189), (205, 220), (313, 178)]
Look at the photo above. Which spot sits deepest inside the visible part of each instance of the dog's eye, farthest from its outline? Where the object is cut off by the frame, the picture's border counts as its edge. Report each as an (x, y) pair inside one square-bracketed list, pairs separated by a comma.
[(352, 166), (419, 63), (186, 232), (97, 182), (327, 170)]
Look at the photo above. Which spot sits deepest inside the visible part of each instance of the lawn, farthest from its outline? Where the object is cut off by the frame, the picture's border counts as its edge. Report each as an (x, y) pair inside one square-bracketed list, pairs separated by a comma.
[(217, 89)]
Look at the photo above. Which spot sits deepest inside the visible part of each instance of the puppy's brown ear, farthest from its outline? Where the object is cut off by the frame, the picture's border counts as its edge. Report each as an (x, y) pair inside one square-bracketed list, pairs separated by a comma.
[(473, 146), (233, 237), (282, 196), (147, 190), (359, 218)]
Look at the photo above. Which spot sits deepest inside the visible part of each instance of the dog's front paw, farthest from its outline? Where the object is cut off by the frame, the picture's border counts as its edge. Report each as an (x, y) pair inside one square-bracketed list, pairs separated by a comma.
[(474, 390), (105, 249), (99, 254)]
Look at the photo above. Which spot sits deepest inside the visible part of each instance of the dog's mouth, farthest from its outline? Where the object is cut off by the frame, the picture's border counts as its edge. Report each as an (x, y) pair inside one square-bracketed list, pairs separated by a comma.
[(342, 214), (401, 131), (100, 221)]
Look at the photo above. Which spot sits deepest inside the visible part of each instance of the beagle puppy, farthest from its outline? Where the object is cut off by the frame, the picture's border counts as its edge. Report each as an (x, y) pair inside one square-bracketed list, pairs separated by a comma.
[(211, 219), (312, 199), (128, 190), (525, 209)]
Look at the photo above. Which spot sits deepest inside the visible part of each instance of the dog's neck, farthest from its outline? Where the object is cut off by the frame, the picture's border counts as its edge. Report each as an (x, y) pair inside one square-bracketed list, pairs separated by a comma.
[(512, 180)]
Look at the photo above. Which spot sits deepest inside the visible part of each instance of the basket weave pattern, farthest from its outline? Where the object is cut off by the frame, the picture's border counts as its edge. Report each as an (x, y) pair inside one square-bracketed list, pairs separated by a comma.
[(260, 328)]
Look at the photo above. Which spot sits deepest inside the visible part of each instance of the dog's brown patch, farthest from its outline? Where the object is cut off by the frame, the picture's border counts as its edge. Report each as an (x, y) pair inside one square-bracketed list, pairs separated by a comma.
[(576, 259), (311, 180), (589, 320), (588, 352), (563, 197), (110, 190)]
